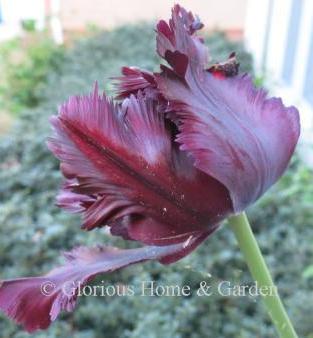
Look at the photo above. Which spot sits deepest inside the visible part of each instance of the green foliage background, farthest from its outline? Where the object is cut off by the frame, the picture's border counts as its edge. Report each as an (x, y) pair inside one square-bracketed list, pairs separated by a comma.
[(24, 65), (33, 231)]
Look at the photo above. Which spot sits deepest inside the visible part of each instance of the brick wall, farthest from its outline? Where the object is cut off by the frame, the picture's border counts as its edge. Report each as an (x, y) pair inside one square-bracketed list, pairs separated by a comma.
[(77, 14)]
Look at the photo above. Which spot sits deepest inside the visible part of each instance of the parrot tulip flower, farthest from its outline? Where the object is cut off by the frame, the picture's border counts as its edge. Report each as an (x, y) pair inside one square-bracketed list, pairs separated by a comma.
[(177, 153)]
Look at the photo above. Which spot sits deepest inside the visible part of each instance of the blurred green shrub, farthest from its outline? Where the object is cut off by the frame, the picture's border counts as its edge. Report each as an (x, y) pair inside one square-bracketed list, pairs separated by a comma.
[(24, 65), (33, 231), (29, 25)]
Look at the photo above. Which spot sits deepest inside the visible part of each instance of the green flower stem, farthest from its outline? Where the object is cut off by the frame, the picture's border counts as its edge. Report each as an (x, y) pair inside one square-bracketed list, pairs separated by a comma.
[(253, 256)]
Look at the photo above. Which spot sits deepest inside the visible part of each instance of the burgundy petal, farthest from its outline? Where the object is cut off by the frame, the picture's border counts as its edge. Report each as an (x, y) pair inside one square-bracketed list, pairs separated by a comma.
[(35, 302), (122, 161), (179, 36), (72, 201), (234, 132), (133, 80)]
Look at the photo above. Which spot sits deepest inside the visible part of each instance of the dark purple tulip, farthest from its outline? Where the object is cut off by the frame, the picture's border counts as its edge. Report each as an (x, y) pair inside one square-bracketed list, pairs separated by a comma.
[(124, 169)]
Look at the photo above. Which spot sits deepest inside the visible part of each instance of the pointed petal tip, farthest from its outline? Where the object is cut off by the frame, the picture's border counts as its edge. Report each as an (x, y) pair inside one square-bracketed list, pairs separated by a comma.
[(35, 302)]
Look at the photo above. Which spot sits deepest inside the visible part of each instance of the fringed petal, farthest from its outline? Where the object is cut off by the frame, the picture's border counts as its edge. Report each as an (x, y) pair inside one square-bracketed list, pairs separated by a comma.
[(35, 302), (233, 131), (134, 80), (121, 163)]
